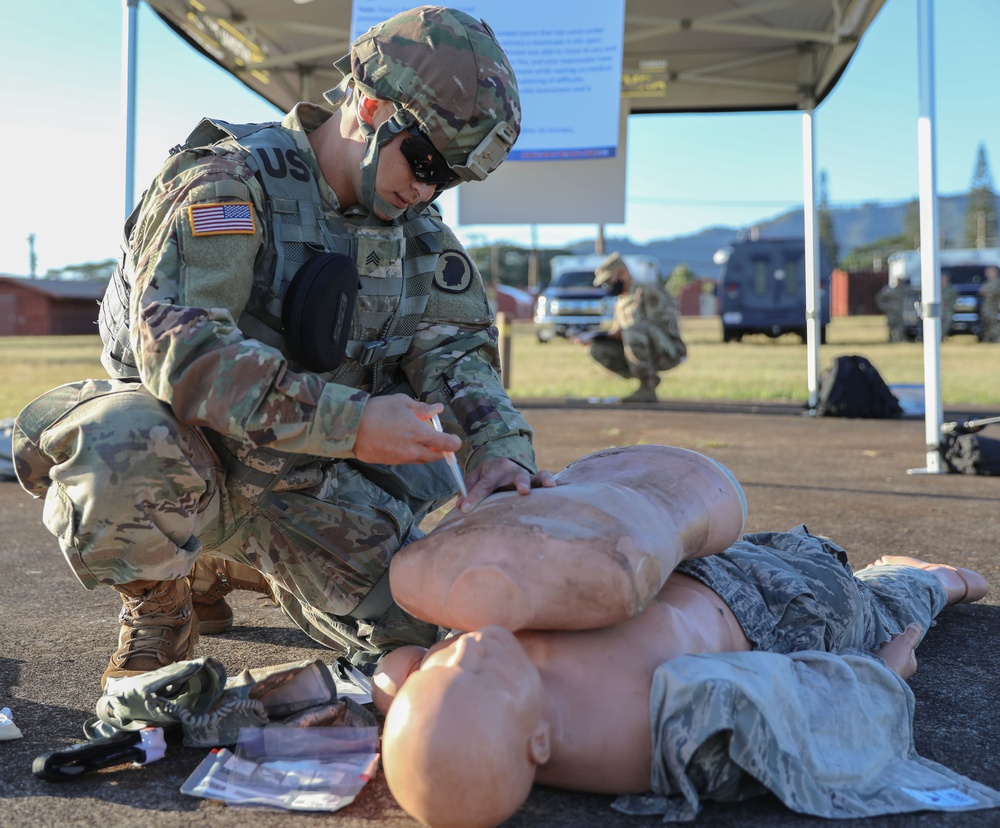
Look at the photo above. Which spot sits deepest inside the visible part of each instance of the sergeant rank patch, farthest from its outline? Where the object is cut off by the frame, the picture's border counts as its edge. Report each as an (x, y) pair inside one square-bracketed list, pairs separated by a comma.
[(454, 272), (222, 218)]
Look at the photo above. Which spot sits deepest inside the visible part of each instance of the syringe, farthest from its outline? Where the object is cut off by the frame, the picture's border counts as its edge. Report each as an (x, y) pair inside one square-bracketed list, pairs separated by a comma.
[(449, 458)]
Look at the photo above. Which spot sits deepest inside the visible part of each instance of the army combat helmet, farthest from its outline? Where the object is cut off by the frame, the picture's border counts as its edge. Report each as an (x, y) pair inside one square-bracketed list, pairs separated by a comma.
[(454, 92)]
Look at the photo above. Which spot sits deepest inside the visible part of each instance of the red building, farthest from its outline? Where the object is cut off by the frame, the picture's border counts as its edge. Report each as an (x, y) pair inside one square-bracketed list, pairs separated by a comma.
[(698, 299), (46, 307), (853, 294)]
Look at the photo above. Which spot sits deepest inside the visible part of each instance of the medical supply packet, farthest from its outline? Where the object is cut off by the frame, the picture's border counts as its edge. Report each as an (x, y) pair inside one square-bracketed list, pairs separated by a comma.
[(301, 769)]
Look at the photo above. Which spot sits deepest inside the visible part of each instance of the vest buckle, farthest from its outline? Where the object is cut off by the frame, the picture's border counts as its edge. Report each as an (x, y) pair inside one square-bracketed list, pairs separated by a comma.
[(372, 351)]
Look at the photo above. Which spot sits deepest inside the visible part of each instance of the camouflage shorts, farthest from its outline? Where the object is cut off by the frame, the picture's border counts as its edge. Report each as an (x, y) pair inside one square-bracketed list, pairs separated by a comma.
[(793, 591)]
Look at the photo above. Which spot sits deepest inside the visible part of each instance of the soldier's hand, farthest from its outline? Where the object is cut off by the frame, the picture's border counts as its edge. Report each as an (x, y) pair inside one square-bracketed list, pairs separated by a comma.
[(498, 473), (397, 429)]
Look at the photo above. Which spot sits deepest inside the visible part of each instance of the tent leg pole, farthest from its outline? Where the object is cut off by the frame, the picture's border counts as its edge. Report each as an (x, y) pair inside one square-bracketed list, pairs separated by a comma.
[(930, 273), (811, 256), (130, 28)]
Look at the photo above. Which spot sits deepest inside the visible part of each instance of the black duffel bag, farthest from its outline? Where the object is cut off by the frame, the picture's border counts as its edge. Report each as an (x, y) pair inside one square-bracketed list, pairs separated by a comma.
[(852, 387)]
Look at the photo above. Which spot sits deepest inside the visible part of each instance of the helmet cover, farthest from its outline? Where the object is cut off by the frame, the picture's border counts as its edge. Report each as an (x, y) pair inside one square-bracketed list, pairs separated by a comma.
[(446, 70)]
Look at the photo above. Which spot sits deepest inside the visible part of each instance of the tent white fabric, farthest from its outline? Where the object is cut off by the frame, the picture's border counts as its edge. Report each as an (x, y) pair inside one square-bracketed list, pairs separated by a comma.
[(678, 56)]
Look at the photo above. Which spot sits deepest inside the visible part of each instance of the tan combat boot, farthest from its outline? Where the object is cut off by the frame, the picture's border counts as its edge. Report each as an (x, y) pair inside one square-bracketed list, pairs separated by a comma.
[(212, 579), (157, 627), (646, 391)]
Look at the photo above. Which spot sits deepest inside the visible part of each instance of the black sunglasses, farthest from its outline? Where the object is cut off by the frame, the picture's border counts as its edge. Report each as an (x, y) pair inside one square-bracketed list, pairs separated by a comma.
[(428, 165)]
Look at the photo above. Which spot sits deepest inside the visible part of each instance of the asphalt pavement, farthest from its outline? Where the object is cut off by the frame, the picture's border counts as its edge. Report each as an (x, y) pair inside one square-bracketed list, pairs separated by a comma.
[(848, 479)]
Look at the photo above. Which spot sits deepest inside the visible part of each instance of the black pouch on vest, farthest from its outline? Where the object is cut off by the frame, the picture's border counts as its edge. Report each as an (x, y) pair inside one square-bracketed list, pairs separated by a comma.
[(317, 311)]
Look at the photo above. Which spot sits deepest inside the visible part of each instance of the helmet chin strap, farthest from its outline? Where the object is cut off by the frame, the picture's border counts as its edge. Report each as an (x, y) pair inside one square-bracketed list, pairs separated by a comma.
[(376, 139)]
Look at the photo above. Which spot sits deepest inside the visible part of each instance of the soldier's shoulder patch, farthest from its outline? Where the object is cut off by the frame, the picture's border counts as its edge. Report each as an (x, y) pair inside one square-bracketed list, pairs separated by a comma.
[(223, 217), (454, 272)]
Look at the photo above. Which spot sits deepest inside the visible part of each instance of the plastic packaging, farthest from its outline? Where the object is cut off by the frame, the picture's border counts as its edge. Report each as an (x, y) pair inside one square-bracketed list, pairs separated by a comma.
[(8, 730), (302, 769)]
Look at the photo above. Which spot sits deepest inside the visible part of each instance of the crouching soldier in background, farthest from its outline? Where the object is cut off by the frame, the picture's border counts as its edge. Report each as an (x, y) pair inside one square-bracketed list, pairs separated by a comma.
[(644, 338)]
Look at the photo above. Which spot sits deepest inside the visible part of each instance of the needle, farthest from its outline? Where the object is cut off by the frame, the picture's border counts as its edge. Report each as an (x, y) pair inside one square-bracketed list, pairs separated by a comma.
[(449, 457)]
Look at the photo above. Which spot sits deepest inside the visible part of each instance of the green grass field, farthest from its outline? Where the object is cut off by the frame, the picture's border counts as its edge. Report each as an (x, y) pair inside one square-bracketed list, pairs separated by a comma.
[(757, 369), (33, 364)]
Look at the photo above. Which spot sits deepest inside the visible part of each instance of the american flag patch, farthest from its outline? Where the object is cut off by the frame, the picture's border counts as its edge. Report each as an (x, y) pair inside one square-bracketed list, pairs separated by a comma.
[(227, 217)]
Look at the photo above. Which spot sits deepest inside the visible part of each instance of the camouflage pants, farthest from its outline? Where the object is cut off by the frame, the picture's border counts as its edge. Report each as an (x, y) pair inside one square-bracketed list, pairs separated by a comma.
[(130, 494), (990, 324), (628, 358), (792, 591), (896, 325)]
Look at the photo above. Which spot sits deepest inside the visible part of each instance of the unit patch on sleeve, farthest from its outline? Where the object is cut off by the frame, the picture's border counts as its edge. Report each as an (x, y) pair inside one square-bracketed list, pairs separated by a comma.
[(222, 218), (454, 272)]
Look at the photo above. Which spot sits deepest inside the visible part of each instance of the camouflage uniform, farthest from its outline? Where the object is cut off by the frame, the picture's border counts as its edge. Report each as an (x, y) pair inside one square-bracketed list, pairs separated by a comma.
[(989, 309), (211, 437), (948, 298), (890, 300), (650, 341), (793, 591), (729, 726)]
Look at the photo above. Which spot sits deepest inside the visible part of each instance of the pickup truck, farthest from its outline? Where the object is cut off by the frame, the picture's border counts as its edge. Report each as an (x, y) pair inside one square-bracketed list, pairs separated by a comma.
[(570, 303), (966, 272)]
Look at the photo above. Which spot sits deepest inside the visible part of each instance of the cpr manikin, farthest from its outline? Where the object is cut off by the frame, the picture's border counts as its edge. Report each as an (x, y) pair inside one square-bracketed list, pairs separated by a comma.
[(592, 552), (563, 700)]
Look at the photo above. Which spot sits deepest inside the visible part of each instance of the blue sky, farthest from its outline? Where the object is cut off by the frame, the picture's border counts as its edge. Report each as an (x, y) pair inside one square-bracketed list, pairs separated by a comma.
[(61, 125)]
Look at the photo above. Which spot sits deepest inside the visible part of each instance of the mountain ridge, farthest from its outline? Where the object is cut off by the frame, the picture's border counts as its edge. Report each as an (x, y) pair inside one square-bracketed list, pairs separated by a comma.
[(855, 226)]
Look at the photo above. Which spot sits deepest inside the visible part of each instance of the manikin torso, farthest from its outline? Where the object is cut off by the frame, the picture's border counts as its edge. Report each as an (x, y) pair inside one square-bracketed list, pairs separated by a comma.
[(597, 684)]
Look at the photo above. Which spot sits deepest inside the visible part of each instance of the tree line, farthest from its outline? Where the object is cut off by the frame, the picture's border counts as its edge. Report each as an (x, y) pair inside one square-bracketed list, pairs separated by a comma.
[(515, 266), (980, 229)]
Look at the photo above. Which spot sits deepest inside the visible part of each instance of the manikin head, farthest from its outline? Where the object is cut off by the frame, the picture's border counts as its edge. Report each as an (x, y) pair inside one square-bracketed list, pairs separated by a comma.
[(454, 93), (465, 730)]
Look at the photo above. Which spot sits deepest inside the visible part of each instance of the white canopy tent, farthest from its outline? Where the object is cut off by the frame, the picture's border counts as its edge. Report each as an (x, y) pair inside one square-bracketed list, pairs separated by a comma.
[(678, 56)]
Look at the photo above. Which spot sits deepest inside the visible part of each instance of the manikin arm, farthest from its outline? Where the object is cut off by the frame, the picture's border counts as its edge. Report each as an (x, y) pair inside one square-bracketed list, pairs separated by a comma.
[(590, 552)]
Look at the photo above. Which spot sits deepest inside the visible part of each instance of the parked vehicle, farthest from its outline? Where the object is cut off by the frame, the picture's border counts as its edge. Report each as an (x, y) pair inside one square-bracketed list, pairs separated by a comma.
[(966, 272), (763, 289), (570, 303)]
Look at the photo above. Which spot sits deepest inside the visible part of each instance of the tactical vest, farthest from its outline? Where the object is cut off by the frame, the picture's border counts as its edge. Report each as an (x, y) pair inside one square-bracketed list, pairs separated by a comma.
[(395, 263)]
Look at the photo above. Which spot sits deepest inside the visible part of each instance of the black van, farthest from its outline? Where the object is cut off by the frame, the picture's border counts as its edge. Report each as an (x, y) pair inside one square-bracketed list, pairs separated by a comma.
[(763, 289)]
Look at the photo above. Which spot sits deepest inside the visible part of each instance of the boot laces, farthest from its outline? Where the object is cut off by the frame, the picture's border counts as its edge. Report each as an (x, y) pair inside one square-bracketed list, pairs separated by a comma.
[(152, 617), (158, 608)]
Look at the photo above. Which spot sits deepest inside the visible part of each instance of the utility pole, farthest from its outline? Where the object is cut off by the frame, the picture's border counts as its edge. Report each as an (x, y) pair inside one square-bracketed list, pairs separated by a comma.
[(599, 241), (495, 264), (533, 258), (32, 258)]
